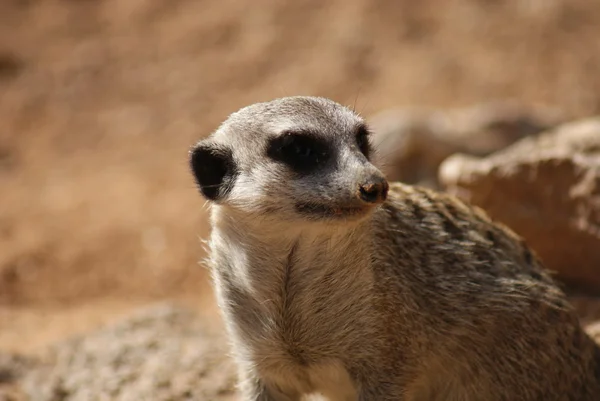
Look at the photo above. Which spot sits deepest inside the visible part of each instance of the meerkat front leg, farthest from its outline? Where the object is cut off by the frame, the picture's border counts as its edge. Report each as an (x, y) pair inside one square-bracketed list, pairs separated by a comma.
[(253, 388)]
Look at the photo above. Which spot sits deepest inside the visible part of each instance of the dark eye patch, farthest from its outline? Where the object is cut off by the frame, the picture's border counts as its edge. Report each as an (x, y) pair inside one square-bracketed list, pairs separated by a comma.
[(362, 140), (301, 151)]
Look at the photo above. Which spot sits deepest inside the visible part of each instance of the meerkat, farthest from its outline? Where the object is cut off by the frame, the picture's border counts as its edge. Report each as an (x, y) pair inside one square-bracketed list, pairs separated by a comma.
[(333, 282)]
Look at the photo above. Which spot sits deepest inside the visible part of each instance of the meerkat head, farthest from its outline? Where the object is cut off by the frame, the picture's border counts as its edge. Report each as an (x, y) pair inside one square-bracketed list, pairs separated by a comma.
[(296, 159)]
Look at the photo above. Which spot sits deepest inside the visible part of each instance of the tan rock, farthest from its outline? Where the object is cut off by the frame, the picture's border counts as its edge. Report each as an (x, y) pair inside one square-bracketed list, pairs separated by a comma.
[(548, 190), (160, 353), (12, 368), (411, 144)]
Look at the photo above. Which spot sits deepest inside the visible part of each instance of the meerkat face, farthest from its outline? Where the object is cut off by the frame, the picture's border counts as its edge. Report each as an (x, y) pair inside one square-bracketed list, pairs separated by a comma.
[(297, 159)]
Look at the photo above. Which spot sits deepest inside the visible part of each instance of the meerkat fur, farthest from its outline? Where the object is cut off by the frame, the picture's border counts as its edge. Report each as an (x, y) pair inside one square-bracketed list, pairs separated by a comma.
[(333, 282)]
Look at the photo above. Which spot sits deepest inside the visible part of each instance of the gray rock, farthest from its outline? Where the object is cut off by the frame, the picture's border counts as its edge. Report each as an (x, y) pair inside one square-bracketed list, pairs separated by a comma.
[(163, 353), (12, 369)]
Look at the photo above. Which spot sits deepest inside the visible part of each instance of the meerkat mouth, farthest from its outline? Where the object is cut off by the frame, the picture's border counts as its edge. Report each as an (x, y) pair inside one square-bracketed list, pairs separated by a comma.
[(321, 210)]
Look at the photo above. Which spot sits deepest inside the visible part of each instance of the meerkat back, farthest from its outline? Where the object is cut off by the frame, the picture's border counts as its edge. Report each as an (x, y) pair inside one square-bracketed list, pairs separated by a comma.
[(332, 281), (496, 324)]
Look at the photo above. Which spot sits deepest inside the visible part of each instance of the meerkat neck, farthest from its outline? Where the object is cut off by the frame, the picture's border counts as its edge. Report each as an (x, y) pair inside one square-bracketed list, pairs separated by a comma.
[(258, 254)]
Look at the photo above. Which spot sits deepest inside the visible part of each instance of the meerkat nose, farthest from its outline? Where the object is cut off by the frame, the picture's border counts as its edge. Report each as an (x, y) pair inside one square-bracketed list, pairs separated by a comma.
[(373, 190)]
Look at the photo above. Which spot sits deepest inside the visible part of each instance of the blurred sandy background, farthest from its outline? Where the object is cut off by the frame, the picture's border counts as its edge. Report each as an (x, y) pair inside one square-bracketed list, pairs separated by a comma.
[(101, 99)]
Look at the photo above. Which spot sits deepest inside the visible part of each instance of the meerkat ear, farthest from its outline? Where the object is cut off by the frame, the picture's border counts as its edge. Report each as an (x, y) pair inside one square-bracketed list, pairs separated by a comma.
[(213, 168)]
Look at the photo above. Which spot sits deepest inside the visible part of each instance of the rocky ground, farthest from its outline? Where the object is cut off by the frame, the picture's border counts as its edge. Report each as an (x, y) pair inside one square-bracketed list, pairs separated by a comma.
[(100, 100)]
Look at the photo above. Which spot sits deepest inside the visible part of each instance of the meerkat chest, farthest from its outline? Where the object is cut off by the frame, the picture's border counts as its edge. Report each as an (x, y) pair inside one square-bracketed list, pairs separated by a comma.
[(304, 315), (297, 311), (298, 325), (296, 344)]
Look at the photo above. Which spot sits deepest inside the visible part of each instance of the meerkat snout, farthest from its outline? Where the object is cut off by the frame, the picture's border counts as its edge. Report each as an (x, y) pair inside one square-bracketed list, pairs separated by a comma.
[(374, 190)]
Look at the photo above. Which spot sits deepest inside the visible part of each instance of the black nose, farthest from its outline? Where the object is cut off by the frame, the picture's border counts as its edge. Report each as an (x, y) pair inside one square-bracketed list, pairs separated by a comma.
[(374, 191)]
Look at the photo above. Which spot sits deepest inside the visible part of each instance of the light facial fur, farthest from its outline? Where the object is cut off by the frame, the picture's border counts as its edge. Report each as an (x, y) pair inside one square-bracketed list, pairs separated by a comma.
[(330, 285)]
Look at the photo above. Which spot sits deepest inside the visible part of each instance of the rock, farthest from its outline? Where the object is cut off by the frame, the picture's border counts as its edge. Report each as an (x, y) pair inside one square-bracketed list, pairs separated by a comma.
[(12, 368), (158, 354), (548, 190), (412, 144)]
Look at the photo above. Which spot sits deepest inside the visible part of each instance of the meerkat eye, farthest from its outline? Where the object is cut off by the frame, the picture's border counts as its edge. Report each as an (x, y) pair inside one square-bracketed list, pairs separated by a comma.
[(362, 141), (300, 149), (302, 152)]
